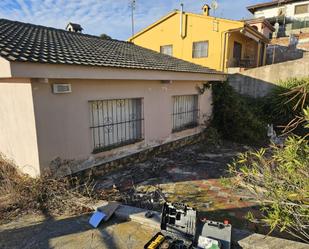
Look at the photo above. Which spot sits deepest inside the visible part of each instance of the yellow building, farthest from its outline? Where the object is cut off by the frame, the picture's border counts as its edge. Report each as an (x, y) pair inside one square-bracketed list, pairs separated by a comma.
[(217, 43)]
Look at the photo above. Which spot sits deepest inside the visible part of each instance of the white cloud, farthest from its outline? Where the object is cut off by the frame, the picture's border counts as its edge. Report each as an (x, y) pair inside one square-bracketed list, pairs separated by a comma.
[(108, 16)]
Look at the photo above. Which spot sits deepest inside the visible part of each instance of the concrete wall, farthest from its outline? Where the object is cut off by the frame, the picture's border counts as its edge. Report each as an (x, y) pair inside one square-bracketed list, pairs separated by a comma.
[(258, 82), (18, 140), (281, 50), (277, 54), (63, 120)]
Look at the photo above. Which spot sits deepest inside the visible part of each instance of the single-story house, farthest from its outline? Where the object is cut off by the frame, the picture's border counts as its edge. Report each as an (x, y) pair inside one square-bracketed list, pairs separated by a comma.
[(78, 97)]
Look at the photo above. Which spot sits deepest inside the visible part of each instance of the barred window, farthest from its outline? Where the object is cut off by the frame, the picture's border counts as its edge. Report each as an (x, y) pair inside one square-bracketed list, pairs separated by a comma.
[(167, 49), (116, 123), (185, 112), (301, 9), (200, 49)]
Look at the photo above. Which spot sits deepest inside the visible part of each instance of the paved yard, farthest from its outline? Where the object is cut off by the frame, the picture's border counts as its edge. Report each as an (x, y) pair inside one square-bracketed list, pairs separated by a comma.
[(38, 232), (191, 175)]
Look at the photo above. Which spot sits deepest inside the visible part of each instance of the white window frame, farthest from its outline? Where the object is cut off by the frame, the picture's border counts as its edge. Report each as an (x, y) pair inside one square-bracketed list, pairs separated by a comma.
[(167, 49), (200, 49), (306, 4), (185, 112)]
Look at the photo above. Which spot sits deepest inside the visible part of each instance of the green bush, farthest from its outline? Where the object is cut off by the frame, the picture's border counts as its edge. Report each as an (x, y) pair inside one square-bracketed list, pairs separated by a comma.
[(279, 179), (237, 118), (213, 136)]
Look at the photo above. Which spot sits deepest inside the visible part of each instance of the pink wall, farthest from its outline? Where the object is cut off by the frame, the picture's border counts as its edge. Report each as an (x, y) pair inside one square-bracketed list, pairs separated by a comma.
[(262, 28), (63, 120), (18, 140)]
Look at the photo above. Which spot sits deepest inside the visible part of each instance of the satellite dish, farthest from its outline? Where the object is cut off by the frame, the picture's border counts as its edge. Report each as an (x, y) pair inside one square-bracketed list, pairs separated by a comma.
[(214, 5)]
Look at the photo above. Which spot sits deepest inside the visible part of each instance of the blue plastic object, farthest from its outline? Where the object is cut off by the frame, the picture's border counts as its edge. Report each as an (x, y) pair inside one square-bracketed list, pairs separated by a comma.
[(97, 218)]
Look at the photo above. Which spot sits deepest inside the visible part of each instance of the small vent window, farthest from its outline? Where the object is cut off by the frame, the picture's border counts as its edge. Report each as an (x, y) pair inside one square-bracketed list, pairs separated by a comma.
[(185, 112), (200, 49), (167, 49), (116, 123), (301, 9), (62, 88)]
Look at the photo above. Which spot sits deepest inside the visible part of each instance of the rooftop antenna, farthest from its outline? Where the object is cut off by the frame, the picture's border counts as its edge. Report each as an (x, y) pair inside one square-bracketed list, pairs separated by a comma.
[(132, 6), (214, 5)]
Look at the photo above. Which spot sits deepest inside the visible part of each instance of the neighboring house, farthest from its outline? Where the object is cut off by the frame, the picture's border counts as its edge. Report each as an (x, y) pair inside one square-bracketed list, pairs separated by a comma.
[(79, 97), (262, 25), (287, 16), (217, 43)]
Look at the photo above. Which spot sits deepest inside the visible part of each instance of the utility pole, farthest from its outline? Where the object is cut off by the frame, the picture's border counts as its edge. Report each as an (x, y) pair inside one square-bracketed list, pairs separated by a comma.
[(132, 5)]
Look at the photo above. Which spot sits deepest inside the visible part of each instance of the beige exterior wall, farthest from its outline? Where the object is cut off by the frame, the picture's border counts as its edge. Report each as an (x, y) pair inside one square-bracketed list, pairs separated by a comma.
[(18, 140), (63, 120), (5, 68)]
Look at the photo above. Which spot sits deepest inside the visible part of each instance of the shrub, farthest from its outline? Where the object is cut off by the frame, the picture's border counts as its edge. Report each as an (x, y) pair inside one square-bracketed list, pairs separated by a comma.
[(286, 101), (236, 117), (279, 179), (213, 136), (45, 194)]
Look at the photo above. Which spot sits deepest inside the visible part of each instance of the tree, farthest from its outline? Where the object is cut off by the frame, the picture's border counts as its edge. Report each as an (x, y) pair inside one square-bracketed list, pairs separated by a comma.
[(105, 36)]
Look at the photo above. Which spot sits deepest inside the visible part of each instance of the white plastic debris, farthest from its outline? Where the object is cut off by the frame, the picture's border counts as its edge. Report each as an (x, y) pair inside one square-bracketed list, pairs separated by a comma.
[(207, 243)]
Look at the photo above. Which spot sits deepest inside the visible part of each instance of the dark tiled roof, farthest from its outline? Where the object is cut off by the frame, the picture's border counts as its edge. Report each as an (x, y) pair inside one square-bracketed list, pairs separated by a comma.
[(32, 43)]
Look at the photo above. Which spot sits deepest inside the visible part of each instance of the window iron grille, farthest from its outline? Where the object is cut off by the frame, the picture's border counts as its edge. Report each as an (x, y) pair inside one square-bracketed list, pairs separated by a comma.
[(116, 123), (185, 112)]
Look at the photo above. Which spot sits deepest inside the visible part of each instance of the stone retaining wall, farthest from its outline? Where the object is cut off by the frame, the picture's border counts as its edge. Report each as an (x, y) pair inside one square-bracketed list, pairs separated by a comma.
[(141, 156)]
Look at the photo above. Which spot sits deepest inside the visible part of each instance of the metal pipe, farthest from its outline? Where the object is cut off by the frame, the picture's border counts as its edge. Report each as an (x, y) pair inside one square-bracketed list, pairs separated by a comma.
[(225, 33), (181, 21), (132, 15)]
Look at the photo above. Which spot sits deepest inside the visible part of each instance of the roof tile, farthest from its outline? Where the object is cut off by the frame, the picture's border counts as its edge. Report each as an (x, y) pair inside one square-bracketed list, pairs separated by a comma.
[(32, 43)]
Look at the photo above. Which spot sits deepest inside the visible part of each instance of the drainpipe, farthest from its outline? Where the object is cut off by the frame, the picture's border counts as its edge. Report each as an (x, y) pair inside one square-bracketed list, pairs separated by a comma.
[(181, 22), (225, 33)]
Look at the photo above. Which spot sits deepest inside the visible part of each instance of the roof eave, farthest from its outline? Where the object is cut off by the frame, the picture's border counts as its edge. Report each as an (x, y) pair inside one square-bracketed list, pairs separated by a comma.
[(261, 19), (62, 71), (257, 34)]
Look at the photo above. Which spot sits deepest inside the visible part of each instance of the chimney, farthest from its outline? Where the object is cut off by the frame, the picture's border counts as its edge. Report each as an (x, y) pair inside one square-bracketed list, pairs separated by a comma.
[(74, 27), (206, 9)]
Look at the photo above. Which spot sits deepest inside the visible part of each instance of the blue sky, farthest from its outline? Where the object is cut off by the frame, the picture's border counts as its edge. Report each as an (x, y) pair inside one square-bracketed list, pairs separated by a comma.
[(110, 16)]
